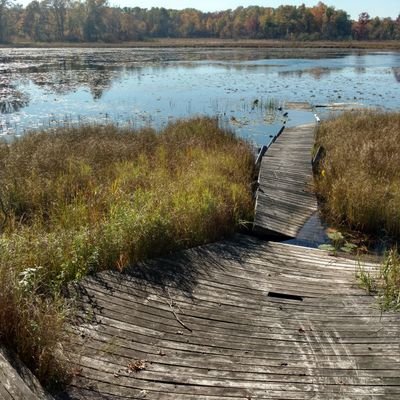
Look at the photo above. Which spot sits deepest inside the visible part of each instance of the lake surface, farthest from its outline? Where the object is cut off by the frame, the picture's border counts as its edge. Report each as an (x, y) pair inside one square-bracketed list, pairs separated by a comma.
[(244, 88)]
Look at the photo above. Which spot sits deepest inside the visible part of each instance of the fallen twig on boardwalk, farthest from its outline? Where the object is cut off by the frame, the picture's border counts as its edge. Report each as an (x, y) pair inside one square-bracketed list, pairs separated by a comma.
[(171, 306)]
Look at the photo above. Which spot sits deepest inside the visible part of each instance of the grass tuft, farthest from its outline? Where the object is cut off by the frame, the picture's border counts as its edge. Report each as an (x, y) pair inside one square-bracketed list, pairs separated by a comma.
[(385, 283), (80, 200), (390, 281)]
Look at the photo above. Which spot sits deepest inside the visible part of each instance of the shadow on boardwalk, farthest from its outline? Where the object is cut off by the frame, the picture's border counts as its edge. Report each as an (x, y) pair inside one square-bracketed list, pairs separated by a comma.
[(243, 318)]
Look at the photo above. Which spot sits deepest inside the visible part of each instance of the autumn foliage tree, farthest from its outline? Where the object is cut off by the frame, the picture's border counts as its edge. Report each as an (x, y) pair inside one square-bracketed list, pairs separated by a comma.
[(96, 20), (361, 27)]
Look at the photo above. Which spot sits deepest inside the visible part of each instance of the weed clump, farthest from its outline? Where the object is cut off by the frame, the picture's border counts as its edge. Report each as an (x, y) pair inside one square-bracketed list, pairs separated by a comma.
[(385, 283), (390, 281), (80, 200)]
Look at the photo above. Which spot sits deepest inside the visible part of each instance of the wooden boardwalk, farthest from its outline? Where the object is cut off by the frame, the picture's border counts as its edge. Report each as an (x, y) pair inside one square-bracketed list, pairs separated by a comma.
[(239, 319), (285, 200), (17, 382)]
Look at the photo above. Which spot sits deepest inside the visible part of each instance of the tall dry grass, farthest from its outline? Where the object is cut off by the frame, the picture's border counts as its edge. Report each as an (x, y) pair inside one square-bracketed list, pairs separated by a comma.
[(80, 200), (359, 177), (358, 180)]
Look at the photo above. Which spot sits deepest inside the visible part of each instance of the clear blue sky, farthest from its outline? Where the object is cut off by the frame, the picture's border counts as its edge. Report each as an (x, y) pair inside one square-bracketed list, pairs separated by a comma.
[(382, 8)]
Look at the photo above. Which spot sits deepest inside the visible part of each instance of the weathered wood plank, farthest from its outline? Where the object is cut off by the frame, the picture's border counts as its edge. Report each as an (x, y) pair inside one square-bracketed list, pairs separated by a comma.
[(17, 382), (284, 200), (201, 324)]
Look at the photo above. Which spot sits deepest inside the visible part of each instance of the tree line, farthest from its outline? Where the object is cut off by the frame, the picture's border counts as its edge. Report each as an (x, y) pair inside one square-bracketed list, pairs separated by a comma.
[(95, 20)]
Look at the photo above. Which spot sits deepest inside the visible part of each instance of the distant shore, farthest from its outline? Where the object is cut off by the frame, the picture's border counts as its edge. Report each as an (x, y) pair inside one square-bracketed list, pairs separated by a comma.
[(218, 43)]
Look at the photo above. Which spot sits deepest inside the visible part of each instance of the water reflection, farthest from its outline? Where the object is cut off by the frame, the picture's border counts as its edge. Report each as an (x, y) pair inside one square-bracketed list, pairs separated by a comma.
[(360, 70), (11, 99), (154, 86), (316, 73), (396, 72)]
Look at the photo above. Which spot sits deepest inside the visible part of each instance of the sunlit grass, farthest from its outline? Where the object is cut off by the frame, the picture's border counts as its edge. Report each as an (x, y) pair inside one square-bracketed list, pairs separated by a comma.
[(358, 181), (385, 283), (389, 279), (80, 200), (359, 177)]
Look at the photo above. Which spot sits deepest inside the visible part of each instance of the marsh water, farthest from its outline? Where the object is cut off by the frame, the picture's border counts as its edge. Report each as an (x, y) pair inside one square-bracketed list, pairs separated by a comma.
[(247, 89)]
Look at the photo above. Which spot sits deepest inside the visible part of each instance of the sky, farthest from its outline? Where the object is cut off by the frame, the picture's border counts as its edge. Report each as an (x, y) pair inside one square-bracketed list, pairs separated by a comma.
[(383, 8)]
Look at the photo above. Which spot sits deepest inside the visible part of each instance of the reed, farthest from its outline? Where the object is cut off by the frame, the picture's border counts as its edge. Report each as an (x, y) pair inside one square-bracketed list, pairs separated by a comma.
[(358, 179)]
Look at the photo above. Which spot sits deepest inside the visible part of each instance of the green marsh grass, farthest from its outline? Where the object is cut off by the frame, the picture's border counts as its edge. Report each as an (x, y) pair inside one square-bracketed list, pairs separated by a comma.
[(79, 200), (389, 279), (385, 283)]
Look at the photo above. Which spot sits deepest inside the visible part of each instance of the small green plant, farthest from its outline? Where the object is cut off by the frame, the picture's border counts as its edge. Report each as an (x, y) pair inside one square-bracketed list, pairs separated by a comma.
[(366, 279), (349, 247), (385, 282), (390, 281), (338, 243)]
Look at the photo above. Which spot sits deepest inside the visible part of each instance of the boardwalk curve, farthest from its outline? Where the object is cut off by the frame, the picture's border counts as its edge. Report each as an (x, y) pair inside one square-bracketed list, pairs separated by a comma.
[(239, 319)]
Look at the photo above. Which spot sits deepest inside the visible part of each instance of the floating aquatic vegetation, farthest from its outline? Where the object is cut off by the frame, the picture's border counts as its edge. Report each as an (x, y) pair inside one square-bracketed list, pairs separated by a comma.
[(12, 100)]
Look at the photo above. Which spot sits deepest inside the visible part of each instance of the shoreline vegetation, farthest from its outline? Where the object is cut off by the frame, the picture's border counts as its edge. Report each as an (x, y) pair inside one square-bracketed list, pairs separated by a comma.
[(75, 201), (219, 43), (97, 21), (358, 184)]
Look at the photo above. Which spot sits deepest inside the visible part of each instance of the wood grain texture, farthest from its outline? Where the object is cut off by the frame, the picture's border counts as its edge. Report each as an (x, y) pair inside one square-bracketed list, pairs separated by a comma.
[(285, 200), (200, 325), (17, 382)]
